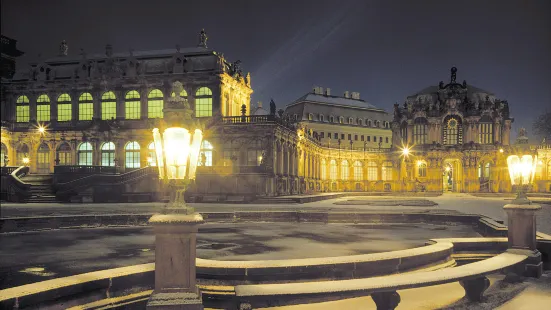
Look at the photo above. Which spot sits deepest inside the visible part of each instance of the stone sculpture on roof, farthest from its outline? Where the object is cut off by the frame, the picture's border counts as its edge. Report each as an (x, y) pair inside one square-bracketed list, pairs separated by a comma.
[(203, 39), (63, 48)]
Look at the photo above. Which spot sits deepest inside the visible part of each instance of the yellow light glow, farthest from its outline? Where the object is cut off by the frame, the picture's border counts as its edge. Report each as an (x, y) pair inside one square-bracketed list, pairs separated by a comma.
[(448, 168), (521, 169), (194, 153), (405, 151), (501, 150), (176, 147), (419, 163), (41, 129), (26, 160)]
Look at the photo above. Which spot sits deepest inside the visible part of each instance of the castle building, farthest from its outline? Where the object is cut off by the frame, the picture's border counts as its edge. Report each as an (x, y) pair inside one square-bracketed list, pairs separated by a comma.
[(347, 121), (85, 124)]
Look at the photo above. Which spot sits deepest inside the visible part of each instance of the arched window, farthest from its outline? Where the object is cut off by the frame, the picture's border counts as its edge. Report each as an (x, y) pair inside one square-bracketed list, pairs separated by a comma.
[(369, 123), (85, 154), (322, 119), (404, 132), (351, 120), (85, 107), (360, 121), (386, 171), (108, 154), (372, 174), (43, 158), (484, 170), (43, 108), (22, 109), (205, 154), (108, 106), (331, 119), (333, 169), (420, 130), (155, 104), (323, 169), (486, 130), (358, 171), (345, 170), (64, 108), (132, 105), (203, 102), (3, 152), (377, 124), (452, 131), (22, 153), (151, 154), (341, 120), (132, 155), (310, 116), (421, 169), (64, 154), (254, 153)]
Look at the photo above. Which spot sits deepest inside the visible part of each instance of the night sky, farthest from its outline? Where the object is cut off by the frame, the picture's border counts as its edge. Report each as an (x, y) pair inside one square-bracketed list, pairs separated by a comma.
[(385, 50)]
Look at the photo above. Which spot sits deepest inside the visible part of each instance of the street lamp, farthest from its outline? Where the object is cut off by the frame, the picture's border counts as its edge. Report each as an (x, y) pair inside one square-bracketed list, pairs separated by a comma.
[(522, 170), (177, 152)]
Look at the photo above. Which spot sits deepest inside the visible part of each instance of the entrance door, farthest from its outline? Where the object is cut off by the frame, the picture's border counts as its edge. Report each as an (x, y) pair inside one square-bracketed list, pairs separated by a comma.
[(451, 175), (43, 159)]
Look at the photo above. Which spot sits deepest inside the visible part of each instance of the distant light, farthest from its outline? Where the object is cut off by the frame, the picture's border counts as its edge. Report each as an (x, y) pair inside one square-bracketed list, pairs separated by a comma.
[(26, 160), (405, 151), (41, 129), (448, 168), (501, 150)]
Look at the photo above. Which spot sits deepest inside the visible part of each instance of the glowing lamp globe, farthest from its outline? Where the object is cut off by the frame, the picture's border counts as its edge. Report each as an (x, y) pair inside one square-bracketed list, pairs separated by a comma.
[(522, 169), (177, 152)]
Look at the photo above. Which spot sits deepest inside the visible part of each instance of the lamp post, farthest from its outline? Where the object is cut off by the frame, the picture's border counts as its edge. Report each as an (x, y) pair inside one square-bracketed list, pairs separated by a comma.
[(177, 152), (521, 213)]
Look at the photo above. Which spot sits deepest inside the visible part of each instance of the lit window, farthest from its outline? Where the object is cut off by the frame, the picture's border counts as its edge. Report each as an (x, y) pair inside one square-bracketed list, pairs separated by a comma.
[(484, 171), (344, 170), (155, 104), (452, 131), (22, 109), (43, 108), (151, 154), (205, 154), (85, 107), (64, 108), (422, 169), (323, 170), (358, 171), (64, 154), (372, 174), (108, 106), (108, 154), (132, 105), (43, 159), (420, 131), (132, 155), (549, 170), (486, 134), (203, 102), (333, 169), (386, 171), (22, 114), (310, 116), (85, 154)]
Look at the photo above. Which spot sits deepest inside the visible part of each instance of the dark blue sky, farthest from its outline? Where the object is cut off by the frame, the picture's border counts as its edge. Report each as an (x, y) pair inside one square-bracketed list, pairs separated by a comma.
[(385, 50)]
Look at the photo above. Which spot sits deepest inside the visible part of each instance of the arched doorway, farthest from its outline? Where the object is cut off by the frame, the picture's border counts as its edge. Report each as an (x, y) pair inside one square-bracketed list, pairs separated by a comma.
[(452, 176), (4, 154), (43, 159), (64, 155), (22, 155)]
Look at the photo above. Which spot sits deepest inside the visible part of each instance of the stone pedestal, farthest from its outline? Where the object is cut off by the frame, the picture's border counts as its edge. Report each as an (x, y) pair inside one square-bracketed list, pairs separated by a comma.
[(175, 253), (522, 236)]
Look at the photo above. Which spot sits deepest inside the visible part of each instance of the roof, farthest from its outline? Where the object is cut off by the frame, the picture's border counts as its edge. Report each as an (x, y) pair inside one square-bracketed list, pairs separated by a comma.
[(334, 100), (136, 54), (434, 89)]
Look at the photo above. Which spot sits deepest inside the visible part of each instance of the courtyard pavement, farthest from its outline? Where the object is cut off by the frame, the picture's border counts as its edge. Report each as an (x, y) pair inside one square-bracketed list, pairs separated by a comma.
[(488, 206)]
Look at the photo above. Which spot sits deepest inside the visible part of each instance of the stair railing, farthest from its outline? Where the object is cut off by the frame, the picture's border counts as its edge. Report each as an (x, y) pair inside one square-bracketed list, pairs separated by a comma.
[(14, 188), (104, 179)]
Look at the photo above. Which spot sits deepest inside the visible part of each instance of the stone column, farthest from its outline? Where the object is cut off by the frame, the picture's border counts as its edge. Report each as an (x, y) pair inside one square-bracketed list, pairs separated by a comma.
[(521, 234), (175, 253)]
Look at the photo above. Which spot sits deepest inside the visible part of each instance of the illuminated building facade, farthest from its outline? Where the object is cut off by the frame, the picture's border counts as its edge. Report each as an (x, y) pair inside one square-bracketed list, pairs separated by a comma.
[(98, 112)]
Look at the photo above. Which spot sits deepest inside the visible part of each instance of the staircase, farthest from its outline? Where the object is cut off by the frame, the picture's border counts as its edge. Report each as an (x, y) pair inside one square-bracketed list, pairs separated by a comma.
[(41, 188)]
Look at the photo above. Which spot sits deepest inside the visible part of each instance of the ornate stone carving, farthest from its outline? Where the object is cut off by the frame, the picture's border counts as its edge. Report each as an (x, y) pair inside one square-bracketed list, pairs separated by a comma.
[(63, 48), (203, 39)]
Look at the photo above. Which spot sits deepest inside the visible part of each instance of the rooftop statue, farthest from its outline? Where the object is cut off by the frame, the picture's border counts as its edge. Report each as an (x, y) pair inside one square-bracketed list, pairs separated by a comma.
[(203, 39), (63, 48)]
